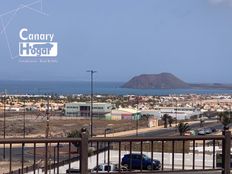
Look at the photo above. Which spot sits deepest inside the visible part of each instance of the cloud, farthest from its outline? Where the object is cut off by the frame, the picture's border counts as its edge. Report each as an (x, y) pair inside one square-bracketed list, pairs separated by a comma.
[(220, 2)]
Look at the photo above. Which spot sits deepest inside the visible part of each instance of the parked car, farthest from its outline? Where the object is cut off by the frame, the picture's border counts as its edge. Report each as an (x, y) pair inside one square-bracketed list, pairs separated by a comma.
[(213, 129), (134, 161), (190, 132), (208, 130), (103, 168), (201, 132)]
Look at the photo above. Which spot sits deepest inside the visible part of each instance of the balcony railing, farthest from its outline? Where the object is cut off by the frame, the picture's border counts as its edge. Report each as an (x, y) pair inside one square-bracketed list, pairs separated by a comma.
[(66, 155)]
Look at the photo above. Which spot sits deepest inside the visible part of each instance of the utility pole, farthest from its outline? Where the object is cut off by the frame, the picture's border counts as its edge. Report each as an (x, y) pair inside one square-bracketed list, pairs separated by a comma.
[(24, 119), (47, 118), (4, 124), (91, 102), (176, 111), (24, 133), (48, 132), (137, 119), (230, 112)]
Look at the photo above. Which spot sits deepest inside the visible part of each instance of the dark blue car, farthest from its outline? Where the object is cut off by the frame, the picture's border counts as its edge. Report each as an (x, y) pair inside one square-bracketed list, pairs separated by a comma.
[(138, 161)]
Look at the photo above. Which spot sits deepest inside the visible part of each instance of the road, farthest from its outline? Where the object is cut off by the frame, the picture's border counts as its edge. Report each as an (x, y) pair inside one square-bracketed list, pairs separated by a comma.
[(16, 152), (172, 131)]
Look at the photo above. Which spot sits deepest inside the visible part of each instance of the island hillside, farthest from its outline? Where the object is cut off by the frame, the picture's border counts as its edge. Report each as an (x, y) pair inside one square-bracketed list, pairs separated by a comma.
[(168, 81)]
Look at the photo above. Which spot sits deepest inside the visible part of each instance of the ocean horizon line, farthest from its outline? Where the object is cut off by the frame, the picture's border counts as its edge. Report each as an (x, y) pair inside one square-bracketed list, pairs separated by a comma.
[(100, 88)]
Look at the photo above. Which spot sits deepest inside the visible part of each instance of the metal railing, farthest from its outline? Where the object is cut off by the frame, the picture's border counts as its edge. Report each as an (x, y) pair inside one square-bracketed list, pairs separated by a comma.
[(64, 155)]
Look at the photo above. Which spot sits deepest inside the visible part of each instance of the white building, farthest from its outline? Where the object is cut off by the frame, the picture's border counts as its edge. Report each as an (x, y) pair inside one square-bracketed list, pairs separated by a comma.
[(181, 113), (82, 109)]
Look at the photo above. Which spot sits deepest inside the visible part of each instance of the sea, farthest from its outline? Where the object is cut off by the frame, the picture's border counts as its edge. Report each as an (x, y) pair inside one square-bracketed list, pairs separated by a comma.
[(99, 88)]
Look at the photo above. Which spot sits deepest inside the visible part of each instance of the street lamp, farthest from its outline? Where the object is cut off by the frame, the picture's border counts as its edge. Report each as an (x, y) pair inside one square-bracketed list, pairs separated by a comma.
[(48, 131), (137, 118), (176, 110), (137, 125), (230, 113), (4, 124), (107, 129), (24, 119), (47, 118), (91, 101)]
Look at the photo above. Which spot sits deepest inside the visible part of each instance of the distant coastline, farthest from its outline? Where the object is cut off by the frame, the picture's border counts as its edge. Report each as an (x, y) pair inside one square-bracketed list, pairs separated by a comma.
[(104, 88), (212, 86)]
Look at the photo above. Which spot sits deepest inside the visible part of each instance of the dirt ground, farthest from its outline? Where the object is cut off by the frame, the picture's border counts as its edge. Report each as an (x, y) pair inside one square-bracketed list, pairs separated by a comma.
[(59, 126)]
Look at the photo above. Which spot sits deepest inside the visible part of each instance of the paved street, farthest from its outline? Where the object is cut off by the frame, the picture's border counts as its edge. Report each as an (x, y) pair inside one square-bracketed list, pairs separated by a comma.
[(171, 131), (161, 131)]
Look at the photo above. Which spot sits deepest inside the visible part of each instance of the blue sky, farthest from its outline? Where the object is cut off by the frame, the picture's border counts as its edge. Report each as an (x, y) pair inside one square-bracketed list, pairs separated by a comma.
[(123, 38)]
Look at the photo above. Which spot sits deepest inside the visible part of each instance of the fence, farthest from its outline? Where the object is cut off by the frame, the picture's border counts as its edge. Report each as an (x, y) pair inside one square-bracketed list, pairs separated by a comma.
[(63, 155)]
